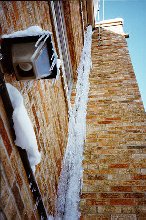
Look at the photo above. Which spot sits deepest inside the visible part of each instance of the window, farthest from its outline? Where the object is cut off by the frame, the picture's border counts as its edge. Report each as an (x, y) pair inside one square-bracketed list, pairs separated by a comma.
[(60, 28)]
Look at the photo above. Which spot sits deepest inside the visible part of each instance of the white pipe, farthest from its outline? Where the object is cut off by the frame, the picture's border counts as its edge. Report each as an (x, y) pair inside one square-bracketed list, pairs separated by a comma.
[(103, 10), (98, 10)]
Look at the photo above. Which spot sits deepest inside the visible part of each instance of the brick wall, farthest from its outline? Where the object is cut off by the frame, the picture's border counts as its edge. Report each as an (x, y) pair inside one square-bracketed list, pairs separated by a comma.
[(74, 26), (47, 108), (114, 181)]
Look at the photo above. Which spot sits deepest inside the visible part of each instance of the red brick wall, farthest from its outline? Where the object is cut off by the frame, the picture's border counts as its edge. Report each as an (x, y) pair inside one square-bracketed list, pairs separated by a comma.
[(47, 108), (114, 181)]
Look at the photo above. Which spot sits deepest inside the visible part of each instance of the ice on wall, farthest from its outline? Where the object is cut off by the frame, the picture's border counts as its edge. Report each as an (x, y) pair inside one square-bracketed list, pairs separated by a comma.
[(67, 205), (25, 136)]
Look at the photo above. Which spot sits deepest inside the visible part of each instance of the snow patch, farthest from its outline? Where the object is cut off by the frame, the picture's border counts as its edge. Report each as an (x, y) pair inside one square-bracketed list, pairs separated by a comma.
[(31, 31), (25, 136), (69, 188), (114, 25), (111, 21)]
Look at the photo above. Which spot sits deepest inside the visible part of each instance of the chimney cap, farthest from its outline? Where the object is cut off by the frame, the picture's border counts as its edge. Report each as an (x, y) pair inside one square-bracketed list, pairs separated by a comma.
[(110, 22), (114, 25)]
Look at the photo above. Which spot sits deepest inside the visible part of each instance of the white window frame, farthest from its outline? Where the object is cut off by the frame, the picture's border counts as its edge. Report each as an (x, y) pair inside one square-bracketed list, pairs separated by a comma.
[(62, 41)]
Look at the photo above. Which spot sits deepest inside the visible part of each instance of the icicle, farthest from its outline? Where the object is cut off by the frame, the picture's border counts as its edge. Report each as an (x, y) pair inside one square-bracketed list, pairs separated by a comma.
[(39, 40)]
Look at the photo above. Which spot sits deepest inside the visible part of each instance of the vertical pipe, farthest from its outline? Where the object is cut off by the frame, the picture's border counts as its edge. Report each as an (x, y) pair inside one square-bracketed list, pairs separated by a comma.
[(98, 10), (31, 179), (103, 10)]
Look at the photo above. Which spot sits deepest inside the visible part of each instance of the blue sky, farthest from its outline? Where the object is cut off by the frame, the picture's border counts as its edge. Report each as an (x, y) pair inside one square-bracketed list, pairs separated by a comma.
[(134, 14)]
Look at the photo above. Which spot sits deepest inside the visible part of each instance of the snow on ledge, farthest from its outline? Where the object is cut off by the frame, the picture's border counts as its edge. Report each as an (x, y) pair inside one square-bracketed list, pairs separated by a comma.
[(111, 21), (31, 31), (114, 25), (25, 136)]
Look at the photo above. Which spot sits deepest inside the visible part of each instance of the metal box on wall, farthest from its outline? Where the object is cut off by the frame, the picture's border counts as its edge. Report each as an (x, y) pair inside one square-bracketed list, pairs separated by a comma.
[(28, 61)]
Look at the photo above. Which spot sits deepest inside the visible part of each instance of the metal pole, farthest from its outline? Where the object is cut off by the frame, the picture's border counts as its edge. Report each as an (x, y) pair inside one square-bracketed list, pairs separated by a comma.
[(103, 10), (31, 179), (98, 10)]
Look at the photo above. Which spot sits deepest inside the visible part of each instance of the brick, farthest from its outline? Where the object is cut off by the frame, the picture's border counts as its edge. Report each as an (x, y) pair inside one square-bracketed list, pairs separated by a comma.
[(4, 197), (143, 171), (141, 201), (121, 188), (5, 137), (119, 166), (18, 198), (139, 177), (33, 217), (11, 210), (88, 195), (2, 181), (6, 166), (95, 202), (96, 177), (122, 202), (15, 166), (110, 195), (36, 118), (113, 119), (123, 216), (136, 147), (139, 188), (141, 216), (133, 195), (109, 209), (104, 122), (25, 216)]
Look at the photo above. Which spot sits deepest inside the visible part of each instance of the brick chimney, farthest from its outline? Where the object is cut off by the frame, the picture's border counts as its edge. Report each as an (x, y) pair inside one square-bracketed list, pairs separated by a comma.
[(114, 25), (113, 178)]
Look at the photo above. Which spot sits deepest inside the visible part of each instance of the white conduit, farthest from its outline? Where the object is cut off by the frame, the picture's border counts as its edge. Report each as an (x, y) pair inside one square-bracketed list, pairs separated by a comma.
[(69, 188), (103, 11)]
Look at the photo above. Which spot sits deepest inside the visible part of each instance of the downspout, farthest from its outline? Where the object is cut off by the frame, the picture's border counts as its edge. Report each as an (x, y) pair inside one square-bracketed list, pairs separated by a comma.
[(23, 155)]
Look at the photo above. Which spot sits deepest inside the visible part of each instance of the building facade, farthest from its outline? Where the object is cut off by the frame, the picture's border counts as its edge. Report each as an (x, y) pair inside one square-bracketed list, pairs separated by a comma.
[(114, 181), (114, 157), (46, 102)]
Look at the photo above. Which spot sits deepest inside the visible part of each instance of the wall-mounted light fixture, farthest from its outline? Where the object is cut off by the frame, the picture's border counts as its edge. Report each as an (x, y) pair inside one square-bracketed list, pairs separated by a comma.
[(30, 57)]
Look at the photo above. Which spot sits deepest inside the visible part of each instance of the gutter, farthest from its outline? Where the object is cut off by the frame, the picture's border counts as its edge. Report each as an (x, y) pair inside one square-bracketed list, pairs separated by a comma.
[(23, 154)]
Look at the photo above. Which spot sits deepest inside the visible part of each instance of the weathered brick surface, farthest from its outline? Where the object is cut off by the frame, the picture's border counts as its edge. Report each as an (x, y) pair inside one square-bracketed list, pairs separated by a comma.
[(47, 108), (115, 154), (74, 30), (114, 166)]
